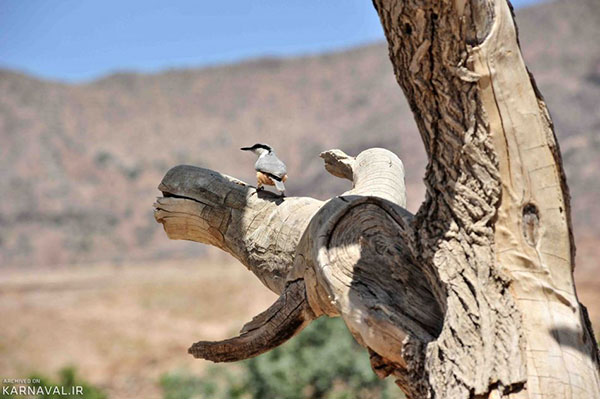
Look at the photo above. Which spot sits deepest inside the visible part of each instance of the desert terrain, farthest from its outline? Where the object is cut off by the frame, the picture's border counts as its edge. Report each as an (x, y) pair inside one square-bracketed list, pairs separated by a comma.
[(125, 326), (122, 327), (87, 276)]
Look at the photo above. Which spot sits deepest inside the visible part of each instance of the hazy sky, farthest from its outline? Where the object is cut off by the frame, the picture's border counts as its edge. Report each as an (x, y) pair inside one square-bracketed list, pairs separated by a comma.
[(78, 40)]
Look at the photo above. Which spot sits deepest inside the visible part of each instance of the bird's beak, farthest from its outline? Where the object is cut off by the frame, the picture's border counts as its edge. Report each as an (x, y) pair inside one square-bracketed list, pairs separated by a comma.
[(246, 148)]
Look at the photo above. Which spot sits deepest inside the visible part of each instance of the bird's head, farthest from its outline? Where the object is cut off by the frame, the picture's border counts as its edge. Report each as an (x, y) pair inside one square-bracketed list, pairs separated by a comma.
[(258, 149)]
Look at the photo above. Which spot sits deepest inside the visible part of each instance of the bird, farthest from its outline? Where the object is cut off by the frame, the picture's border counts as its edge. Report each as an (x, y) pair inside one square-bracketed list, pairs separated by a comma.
[(270, 170)]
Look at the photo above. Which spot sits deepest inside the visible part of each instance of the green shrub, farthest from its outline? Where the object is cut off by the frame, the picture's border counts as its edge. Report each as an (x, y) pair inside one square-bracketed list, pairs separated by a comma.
[(322, 362), (182, 386), (218, 382)]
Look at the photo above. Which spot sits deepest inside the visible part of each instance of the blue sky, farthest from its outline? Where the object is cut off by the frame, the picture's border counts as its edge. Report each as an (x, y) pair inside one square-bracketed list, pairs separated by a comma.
[(80, 40)]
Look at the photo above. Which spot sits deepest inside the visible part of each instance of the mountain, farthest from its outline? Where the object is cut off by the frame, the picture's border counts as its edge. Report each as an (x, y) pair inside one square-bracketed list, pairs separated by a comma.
[(79, 164)]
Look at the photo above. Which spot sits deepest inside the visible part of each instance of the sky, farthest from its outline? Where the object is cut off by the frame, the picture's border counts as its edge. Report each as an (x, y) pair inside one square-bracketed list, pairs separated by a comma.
[(82, 40)]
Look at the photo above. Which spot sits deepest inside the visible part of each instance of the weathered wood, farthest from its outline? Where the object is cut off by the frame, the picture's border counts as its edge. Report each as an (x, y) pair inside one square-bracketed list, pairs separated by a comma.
[(285, 318), (375, 172), (473, 297), (495, 223), (533, 238), (259, 229), (317, 254)]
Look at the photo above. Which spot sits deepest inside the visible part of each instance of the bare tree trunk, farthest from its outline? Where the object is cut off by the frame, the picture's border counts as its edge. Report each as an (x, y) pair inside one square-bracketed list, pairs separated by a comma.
[(471, 298)]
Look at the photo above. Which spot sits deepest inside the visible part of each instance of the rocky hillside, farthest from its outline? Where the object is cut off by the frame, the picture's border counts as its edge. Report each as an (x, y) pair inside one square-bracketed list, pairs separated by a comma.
[(79, 164)]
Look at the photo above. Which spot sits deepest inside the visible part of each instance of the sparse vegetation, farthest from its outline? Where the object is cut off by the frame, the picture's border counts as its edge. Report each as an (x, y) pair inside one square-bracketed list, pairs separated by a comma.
[(103, 158), (323, 362)]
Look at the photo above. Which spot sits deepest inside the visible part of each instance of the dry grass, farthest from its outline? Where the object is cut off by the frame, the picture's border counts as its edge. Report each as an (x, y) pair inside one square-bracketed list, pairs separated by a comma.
[(122, 327)]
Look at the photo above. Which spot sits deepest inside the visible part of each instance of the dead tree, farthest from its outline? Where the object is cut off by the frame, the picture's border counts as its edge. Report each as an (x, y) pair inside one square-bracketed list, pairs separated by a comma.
[(472, 297)]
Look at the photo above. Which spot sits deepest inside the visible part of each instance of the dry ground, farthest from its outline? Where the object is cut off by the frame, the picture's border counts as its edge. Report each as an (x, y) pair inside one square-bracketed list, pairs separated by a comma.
[(124, 326)]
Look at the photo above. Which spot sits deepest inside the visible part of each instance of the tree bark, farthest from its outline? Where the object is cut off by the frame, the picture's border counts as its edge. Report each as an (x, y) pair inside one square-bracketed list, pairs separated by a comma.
[(473, 297)]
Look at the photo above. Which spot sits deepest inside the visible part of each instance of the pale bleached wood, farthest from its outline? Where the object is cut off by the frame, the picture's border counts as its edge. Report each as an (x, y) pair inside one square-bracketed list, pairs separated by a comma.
[(260, 229), (205, 206), (473, 297), (534, 244), (375, 172), (495, 224)]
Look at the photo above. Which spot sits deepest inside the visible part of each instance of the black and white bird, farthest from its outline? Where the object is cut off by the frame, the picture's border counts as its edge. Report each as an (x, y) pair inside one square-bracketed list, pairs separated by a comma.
[(270, 170)]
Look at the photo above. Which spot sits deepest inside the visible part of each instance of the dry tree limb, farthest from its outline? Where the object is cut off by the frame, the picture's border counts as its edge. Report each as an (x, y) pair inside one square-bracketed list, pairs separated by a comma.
[(284, 319), (318, 256), (472, 297), (259, 229)]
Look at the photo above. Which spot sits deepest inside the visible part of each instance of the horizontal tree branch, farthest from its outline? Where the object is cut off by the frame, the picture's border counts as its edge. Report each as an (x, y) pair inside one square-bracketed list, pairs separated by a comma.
[(284, 319), (348, 257), (259, 229)]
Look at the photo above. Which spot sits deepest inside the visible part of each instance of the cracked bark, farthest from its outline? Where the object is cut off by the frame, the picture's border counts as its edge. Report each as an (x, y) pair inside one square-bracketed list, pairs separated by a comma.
[(472, 297)]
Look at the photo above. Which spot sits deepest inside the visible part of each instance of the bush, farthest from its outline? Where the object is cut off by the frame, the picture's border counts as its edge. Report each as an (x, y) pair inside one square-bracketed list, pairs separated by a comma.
[(182, 386), (322, 362)]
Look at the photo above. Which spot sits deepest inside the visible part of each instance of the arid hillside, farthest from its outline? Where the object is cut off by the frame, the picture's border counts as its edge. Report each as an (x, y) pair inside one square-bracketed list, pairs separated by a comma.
[(79, 164)]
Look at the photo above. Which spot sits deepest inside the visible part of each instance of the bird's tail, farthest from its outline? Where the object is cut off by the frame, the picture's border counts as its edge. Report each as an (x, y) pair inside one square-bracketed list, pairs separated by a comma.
[(279, 185)]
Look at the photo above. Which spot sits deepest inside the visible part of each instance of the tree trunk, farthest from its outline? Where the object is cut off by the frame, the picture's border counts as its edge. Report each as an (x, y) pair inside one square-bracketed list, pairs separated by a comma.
[(473, 297)]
